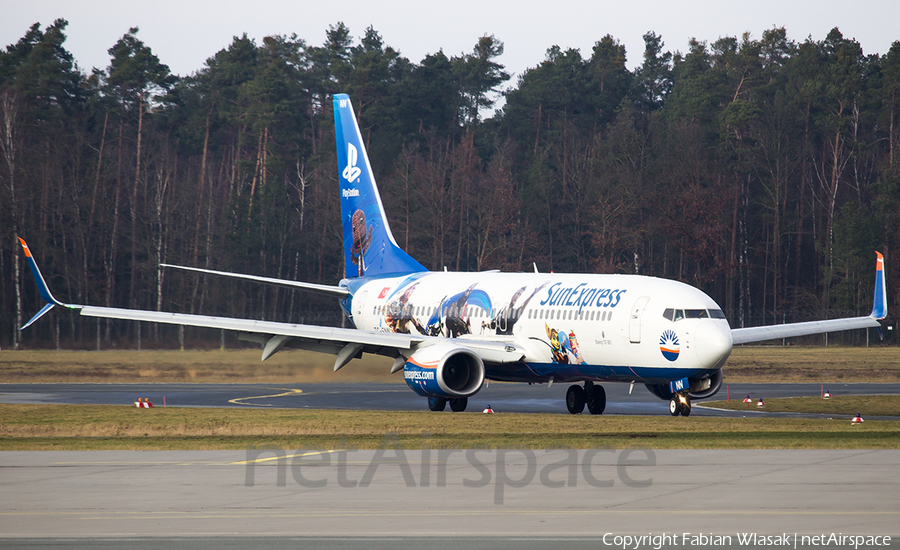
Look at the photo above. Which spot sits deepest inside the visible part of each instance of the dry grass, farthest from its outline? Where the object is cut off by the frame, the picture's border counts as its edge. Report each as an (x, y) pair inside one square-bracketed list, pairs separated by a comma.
[(813, 364), (747, 364), (77, 427), (865, 405)]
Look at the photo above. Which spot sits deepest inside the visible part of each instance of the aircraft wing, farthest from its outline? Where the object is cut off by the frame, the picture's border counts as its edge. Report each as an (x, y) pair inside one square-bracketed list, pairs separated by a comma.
[(775, 332), (346, 343), (311, 337)]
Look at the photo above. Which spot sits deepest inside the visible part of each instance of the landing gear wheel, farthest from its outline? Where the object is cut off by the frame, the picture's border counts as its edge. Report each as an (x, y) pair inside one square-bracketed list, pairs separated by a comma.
[(459, 405), (437, 404), (674, 406), (575, 399), (596, 400), (677, 406)]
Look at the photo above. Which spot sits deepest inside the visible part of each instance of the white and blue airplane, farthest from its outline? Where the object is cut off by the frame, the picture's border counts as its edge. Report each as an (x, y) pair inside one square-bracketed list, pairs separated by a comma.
[(450, 332)]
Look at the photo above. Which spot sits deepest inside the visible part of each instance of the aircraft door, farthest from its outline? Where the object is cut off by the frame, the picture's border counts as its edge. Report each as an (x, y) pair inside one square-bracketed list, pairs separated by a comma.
[(359, 301), (502, 320), (634, 325)]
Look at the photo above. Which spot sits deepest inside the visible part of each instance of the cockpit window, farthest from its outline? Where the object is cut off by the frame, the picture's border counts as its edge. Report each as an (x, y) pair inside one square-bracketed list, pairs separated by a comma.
[(679, 314)]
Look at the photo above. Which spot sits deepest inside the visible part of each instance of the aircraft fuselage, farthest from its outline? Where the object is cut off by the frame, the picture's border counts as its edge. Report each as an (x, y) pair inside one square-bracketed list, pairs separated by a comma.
[(572, 327)]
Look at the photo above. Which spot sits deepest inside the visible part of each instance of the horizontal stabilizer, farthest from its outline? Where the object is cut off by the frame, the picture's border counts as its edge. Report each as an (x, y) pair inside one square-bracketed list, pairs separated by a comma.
[(312, 287)]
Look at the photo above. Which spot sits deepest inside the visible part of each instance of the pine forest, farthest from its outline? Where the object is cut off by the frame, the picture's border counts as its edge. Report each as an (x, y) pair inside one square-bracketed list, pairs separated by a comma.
[(763, 170)]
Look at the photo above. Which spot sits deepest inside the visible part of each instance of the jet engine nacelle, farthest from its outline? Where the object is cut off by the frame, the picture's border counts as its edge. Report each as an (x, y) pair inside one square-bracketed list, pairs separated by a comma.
[(701, 388), (444, 370)]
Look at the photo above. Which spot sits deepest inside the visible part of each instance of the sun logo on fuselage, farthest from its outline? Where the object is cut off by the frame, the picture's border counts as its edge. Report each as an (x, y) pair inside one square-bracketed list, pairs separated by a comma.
[(669, 346)]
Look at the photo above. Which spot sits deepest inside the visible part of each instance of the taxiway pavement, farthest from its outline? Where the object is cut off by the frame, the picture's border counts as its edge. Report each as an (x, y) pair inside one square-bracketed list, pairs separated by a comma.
[(519, 398), (479, 493)]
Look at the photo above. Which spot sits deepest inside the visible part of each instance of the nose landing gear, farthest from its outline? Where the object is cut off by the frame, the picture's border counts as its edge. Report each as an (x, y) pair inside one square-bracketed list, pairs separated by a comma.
[(680, 404)]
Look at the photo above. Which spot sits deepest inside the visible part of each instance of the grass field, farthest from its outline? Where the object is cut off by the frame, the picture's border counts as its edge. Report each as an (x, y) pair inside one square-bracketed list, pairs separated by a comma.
[(813, 364), (747, 364), (865, 405), (82, 427), (107, 427)]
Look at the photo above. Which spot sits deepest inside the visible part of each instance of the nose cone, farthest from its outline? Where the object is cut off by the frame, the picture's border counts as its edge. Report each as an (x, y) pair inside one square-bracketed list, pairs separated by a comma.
[(713, 343)]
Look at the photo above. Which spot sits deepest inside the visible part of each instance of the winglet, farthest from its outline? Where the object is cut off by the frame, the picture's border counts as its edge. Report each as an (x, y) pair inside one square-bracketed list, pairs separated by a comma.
[(42, 286), (879, 306)]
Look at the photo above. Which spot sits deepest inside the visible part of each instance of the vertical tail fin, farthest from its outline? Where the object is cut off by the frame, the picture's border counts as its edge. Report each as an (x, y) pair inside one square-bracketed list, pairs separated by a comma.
[(369, 246), (879, 306)]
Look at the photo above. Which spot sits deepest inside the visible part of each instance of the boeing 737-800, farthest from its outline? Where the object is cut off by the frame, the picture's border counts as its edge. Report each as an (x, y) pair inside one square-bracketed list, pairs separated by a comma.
[(449, 332)]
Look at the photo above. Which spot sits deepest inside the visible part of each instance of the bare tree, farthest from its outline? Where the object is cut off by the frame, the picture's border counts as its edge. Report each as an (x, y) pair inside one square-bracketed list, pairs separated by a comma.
[(9, 144)]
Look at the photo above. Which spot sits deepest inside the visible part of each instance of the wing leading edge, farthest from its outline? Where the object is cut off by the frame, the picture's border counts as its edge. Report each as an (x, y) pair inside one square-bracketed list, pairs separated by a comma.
[(774, 332)]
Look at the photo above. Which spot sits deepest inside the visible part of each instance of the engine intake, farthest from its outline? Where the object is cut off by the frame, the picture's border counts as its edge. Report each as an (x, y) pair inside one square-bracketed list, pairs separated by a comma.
[(701, 388), (444, 370)]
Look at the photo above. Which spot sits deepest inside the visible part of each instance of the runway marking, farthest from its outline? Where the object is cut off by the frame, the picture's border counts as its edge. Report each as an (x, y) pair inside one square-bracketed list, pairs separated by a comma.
[(146, 463), (271, 458), (238, 400)]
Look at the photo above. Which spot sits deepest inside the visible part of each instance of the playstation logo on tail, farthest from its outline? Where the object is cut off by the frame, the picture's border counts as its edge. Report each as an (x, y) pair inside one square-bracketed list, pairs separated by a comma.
[(351, 171)]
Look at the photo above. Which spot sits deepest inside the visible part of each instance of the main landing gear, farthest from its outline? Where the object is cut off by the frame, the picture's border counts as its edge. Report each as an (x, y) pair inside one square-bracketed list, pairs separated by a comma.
[(439, 403), (680, 404), (592, 396)]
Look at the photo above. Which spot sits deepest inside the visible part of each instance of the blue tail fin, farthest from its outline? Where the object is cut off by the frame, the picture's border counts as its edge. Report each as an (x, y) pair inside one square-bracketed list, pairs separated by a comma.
[(369, 246)]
